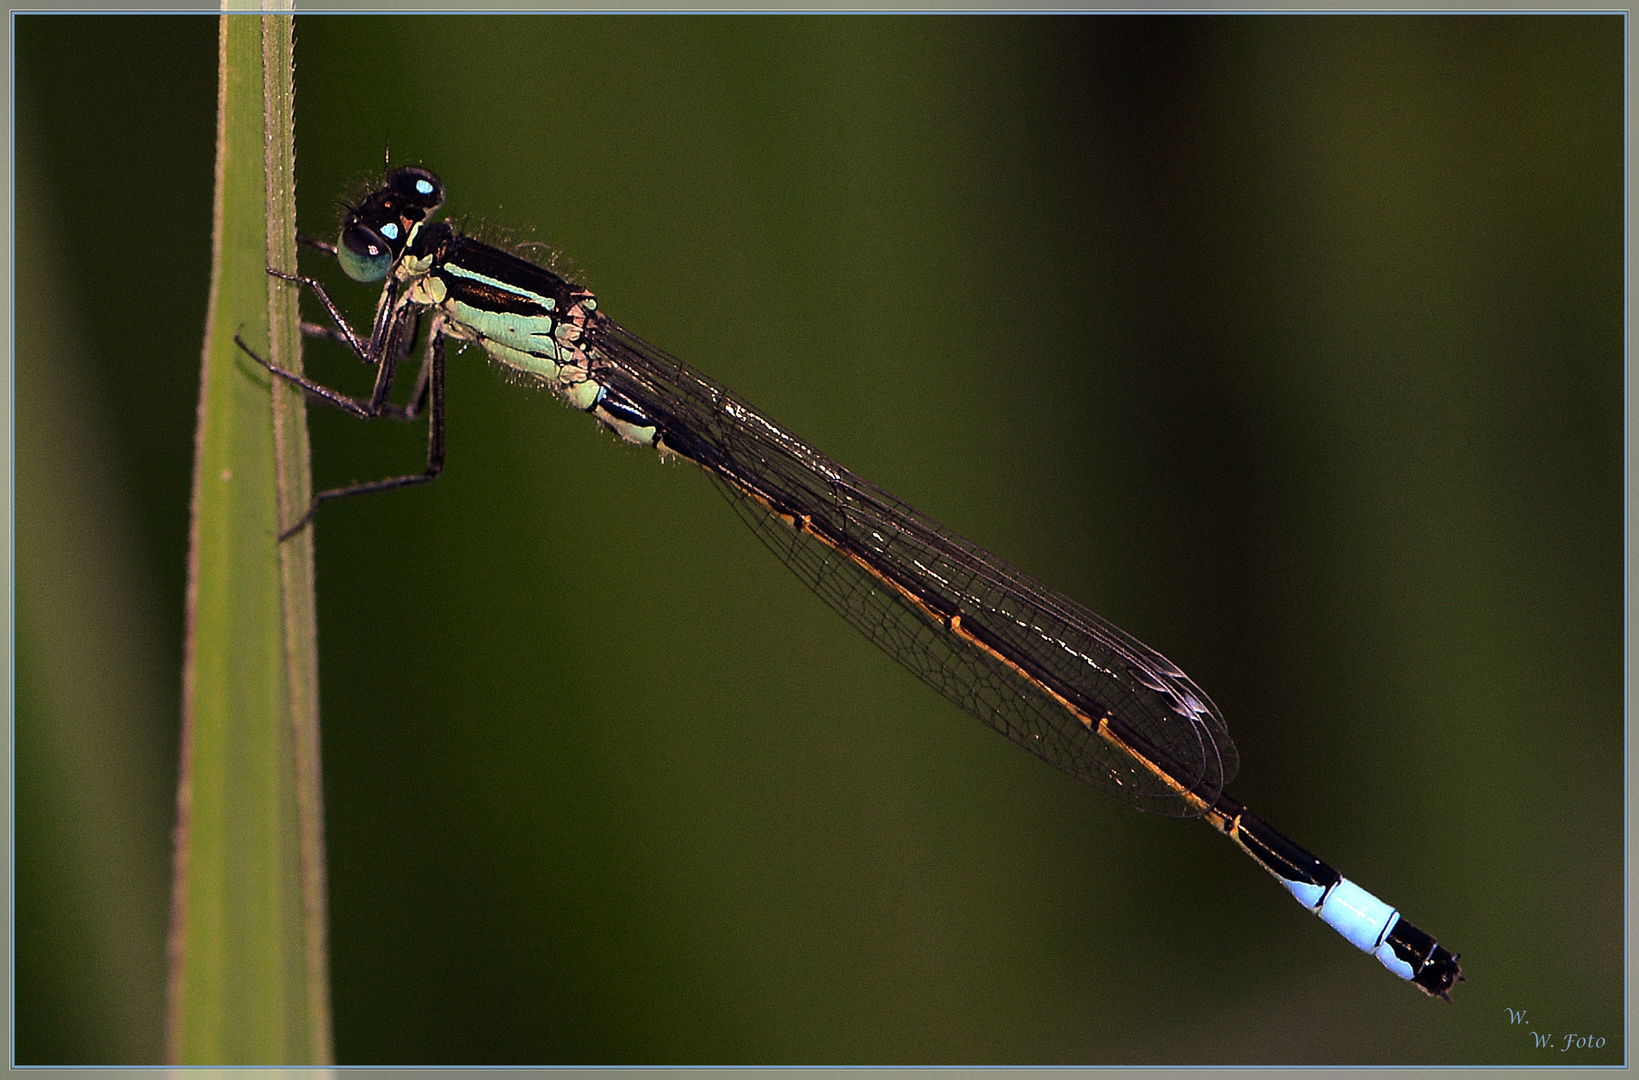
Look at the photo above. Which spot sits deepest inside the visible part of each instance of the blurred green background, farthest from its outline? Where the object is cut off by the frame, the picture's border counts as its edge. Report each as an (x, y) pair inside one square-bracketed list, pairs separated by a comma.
[(1291, 344)]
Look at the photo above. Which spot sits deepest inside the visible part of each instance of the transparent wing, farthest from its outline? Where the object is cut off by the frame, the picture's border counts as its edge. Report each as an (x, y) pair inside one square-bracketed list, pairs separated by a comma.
[(1028, 661)]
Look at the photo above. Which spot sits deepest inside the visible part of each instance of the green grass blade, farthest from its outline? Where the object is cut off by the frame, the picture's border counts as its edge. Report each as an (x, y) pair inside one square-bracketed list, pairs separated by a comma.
[(296, 554), (248, 982)]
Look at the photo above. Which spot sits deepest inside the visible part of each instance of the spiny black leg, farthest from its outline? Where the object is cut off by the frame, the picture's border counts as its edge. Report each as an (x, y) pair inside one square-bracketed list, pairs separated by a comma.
[(433, 369), (392, 341), (435, 396), (391, 338), (418, 393), (402, 338), (353, 340), (395, 346), (323, 393)]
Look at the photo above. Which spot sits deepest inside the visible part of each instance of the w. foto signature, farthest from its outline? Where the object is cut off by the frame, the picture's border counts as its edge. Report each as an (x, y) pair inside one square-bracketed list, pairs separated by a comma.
[(1546, 1041)]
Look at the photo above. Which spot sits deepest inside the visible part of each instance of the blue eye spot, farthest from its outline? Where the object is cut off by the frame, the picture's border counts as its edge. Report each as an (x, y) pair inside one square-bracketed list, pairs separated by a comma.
[(390, 231), (423, 187)]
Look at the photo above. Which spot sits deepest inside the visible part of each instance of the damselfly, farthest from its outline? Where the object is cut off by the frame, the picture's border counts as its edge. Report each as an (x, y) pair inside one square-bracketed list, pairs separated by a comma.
[(1030, 662)]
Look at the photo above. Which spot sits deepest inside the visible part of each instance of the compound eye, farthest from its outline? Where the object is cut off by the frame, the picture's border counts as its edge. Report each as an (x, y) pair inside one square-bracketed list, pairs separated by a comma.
[(417, 186), (364, 253)]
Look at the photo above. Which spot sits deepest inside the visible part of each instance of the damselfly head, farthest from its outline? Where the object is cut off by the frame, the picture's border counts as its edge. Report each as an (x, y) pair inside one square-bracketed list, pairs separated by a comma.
[(377, 231)]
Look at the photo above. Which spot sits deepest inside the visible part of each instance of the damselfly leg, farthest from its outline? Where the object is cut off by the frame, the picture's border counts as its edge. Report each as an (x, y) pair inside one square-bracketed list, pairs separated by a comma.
[(393, 337)]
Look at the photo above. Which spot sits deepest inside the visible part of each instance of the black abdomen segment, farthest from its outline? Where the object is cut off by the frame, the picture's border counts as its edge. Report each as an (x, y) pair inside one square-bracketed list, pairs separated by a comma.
[(1370, 924)]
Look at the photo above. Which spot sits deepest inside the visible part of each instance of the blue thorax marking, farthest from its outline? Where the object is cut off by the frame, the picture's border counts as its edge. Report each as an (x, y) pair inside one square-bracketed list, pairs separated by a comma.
[(547, 302)]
